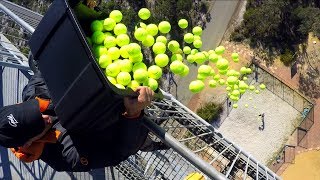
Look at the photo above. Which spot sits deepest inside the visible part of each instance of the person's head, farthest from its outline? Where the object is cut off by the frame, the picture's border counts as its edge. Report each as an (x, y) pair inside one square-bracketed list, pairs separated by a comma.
[(22, 122)]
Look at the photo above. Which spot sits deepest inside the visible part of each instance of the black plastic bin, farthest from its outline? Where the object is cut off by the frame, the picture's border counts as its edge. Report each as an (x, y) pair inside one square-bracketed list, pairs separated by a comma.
[(80, 91)]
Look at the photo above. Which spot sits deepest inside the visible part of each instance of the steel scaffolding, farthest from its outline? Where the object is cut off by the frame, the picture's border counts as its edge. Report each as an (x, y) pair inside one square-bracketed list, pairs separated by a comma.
[(195, 145)]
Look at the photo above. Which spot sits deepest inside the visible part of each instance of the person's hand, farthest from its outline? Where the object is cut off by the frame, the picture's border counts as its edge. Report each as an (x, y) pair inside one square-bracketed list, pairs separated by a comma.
[(134, 106)]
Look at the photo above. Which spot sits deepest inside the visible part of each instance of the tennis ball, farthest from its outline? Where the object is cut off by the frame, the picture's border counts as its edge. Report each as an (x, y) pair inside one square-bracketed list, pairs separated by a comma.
[(140, 34), (243, 70), (206, 54), (199, 58), (136, 58), (232, 72), (155, 72), (204, 70), (235, 60), (216, 77), (173, 46), (231, 80), (116, 15), (96, 25), (114, 53), (109, 24), (249, 71), (148, 41), (235, 106), (257, 91), (162, 60), (201, 77), (185, 71), (243, 85), (188, 38), (235, 87), (197, 43), (262, 86), (104, 60), (108, 34), (144, 13), (196, 86), (159, 48), (246, 105), (133, 85), (219, 50), (186, 50), (222, 82), (177, 67), (112, 80), (197, 30), (151, 83), (236, 93), (124, 51), (152, 29), (196, 37), (125, 65), (97, 37), (222, 64), (190, 58), (213, 57), (139, 65), (120, 86), (242, 91), (194, 51), (164, 27), (99, 50), (234, 55), (162, 39), (143, 25), (175, 57), (124, 78), (140, 75), (110, 41), (112, 70), (122, 39), (213, 83), (244, 78), (120, 29), (133, 49), (183, 23), (228, 88)]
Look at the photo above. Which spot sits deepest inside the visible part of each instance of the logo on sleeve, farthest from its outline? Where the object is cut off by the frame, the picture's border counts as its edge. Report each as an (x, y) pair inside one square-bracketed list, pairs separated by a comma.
[(12, 121)]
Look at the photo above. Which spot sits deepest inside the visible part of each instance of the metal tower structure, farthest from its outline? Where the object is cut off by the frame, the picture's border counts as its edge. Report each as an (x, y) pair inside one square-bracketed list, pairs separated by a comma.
[(195, 145)]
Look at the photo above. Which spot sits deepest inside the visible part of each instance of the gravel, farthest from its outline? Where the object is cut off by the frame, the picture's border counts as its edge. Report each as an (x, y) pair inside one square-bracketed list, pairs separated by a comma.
[(242, 124)]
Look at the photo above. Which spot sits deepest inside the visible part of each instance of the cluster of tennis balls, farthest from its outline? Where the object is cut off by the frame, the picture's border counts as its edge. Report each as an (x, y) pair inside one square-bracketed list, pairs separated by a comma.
[(121, 57), (235, 81)]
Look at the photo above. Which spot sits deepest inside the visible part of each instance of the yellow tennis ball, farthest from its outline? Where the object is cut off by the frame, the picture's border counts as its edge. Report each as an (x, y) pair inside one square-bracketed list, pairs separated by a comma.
[(109, 24), (140, 75), (159, 48), (120, 29), (222, 64), (96, 25), (197, 43), (116, 15), (99, 50), (110, 41), (262, 86), (120, 86), (204, 70), (112, 70), (197, 30), (213, 83), (188, 38), (98, 37), (185, 71), (144, 13), (133, 49), (231, 80), (196, 86), (190, 58), (235, 106), (114, 53), (155, 72), (152, 29), (177, 67), (112, 80), (136, 58), (234, 55), (148, 41), (220, 50), (176, 57), (200, 58), (173, 46), (104, 60), (164, 27), (183, 23), (139, 65), (124, 78), (140, 34), (133, 85), (124, 51), (122, 39), (126, 65), (186, 50), (162, 60), (162, 39)]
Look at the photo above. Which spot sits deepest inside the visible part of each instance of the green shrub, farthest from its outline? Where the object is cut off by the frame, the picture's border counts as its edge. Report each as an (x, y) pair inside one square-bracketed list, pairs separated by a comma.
[(287, 57), (210, 111)]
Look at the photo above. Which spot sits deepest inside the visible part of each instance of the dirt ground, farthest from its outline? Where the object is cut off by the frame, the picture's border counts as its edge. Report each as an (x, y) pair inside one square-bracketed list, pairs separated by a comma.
[(306, 167)]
